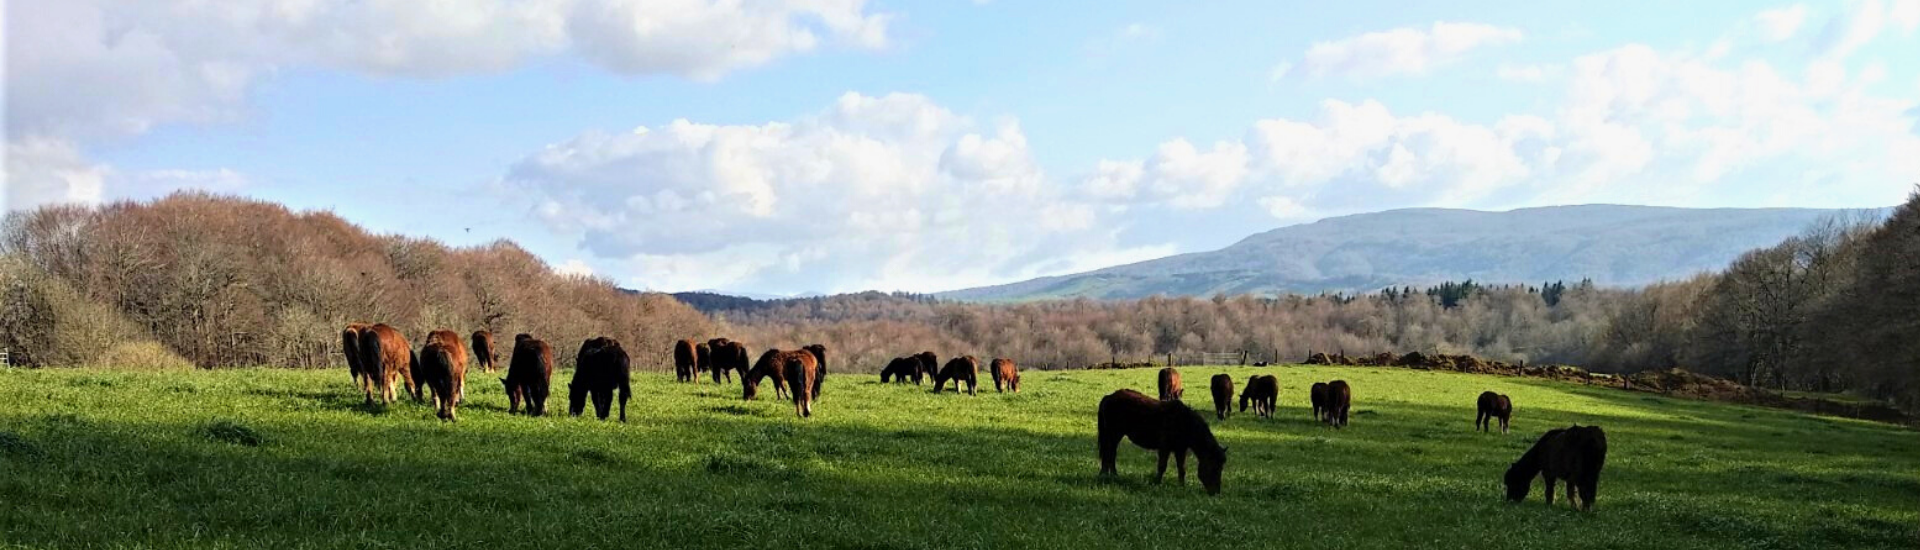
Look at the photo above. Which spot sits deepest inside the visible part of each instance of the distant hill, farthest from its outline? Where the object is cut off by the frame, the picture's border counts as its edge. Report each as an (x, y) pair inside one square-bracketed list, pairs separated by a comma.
[(1610, 244)]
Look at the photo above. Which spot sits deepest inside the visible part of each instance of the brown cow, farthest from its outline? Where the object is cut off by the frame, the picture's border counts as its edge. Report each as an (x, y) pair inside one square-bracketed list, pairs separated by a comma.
[(385, 354), (1170, 389), (703, 359), (483, 352), (819, 352), (1493, 405), (1575, 454), (802, 372), (1005, 374), (929, 366), (686, 362), (961, 369), (1222, 386), (1339, 401), (772, 366), (1263, 392), (729, 358), (1165, 426), (350, 347), (1318, 394), (529, 375), (601, 368), (443, 369), (900, 369)]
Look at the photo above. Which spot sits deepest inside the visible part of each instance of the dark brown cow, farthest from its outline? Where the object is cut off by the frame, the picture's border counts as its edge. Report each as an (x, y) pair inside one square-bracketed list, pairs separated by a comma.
[(1263, 392), (1165, 426), (1339, 401), (1006, 376), (729, 358), (1575, 454), (443, 369), (1170, 389), (483, 353), (385, 354), (686, 362), (929, 366), (529, 375), (772, 365), (350, 347), (703, 357), (820, 377), (1318, 394), (1222, 386), (900, 369), (1493, 405), (601, 369), (802, 372), (960, 369)]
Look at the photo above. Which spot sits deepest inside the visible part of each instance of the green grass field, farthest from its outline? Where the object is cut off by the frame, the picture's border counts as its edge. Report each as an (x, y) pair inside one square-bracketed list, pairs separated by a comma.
[(124, 459)]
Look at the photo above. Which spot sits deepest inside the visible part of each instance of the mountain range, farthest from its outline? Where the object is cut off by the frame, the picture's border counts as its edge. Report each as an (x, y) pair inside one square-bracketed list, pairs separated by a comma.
[(1612, 245)]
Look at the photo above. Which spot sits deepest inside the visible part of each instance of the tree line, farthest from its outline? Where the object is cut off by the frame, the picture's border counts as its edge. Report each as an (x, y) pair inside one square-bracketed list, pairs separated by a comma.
[(219, 282)]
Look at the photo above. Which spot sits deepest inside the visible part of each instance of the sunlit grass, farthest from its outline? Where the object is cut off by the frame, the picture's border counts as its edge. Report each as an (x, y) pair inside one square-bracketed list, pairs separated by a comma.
[(258, 458)]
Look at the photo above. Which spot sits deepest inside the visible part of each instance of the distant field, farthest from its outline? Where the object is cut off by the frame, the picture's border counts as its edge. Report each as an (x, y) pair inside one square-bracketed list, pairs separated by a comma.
[(113, 459)]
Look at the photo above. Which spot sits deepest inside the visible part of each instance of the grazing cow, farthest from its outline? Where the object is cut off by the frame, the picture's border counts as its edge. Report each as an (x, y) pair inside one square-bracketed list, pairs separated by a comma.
[(820, 378), (686, 365), (929, 367), (1339, 401), (1222, 386), (729, 358), (601, 368), (1165, 426), (483, 352), (703, 358), (772, 365), (1170, 389), (1493, 405), (1574, 454), (443, 369), (350, 347), (386, 355), (1319, 396), (802, 372), (960, 369), (529, 375), (1006, 376), (900, 369), (1263, 392)]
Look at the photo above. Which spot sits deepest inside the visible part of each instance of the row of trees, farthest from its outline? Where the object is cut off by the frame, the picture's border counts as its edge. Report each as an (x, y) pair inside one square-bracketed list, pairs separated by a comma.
[(220, 282), (229, 282), (1836, 308)]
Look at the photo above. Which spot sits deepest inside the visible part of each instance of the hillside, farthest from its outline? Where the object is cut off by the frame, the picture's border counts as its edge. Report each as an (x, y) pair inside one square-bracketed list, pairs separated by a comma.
[(288, 459), (1612, 245)]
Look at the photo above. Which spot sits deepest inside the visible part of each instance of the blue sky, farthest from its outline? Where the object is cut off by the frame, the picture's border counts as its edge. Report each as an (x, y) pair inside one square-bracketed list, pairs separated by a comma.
[(845, 145)]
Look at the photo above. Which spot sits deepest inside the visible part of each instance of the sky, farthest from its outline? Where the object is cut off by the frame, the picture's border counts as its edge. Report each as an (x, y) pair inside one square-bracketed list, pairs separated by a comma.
[(815, 146)]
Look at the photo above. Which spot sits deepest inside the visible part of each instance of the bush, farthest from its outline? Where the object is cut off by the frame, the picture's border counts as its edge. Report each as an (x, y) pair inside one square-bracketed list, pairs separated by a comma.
[(143, 355)]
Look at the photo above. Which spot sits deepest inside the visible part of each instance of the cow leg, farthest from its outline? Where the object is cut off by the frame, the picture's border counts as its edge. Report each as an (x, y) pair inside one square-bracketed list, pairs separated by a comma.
[(1160, 474), (1109, 447), (1550, 481), (1180, 461)]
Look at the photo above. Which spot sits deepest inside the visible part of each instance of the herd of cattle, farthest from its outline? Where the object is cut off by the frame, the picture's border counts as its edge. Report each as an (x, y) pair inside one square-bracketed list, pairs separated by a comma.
[(1574, 454), (382, 361)]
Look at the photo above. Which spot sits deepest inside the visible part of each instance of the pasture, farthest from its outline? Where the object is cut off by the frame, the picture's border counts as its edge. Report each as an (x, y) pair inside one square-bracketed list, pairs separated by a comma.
[(290, 459)]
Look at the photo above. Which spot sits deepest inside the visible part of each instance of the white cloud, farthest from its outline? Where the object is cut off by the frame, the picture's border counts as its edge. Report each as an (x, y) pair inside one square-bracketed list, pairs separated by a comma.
[(1401, 51), (884, 192), (1528, 73), (1781, 23), (45, 171), (574, 268), (82, 71)]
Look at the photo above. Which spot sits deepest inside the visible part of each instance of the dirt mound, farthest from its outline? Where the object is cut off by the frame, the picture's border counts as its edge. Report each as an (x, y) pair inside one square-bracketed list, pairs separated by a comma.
[(1693, 385)]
